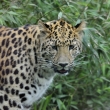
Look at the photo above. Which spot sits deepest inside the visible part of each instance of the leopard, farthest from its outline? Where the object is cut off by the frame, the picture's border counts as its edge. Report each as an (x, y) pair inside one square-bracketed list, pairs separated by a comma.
[(31, 56)]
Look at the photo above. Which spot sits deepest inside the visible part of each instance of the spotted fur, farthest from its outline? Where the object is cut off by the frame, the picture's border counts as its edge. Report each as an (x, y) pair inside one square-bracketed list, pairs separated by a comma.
[(30, 57)]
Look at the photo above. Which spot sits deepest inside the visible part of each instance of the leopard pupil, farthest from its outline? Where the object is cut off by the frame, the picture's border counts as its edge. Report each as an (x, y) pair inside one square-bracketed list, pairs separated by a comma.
[(54, 47), (71, 47)]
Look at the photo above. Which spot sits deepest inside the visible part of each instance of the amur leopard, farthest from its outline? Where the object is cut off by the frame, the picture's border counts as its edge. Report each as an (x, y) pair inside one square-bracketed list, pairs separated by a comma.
[(30, 57)]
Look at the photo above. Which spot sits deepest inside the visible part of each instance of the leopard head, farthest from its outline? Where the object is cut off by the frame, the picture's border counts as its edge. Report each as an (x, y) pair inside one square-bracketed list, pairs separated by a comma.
[(60, 44)]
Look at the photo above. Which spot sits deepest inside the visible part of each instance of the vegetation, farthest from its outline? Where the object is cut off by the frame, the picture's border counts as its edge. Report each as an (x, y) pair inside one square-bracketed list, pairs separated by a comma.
[(88, 85)]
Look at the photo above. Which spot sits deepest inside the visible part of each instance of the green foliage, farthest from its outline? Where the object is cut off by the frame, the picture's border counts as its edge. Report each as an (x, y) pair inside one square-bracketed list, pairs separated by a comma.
[(88, 85)]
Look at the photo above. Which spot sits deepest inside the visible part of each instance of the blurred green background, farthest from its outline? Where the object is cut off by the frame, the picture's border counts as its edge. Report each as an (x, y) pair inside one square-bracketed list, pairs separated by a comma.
[(87, 87)]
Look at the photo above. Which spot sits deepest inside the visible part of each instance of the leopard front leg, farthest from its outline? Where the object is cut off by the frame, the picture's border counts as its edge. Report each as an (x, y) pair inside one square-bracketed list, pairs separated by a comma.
[(9, 102)]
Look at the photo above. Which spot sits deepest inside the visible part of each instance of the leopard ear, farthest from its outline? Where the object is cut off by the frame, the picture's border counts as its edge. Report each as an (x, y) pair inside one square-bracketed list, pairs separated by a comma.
[(43, 25), (80, 27)]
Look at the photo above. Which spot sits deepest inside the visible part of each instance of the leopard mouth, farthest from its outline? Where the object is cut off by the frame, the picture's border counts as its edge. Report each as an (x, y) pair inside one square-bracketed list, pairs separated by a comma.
[(62, 71)]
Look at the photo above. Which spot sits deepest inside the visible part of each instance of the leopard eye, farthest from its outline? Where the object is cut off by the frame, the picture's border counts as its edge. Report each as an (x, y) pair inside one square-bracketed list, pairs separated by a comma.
[(54, 47), (71, 47)]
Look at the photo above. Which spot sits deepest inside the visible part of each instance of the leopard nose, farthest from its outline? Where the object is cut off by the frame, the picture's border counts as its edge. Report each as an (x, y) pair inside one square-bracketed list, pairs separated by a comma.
[(63, 64)]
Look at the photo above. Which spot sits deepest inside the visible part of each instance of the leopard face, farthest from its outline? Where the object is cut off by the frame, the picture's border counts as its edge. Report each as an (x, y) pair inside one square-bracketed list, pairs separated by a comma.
[(62, 45)]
